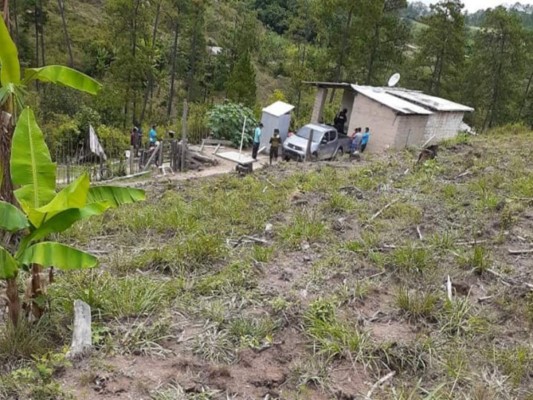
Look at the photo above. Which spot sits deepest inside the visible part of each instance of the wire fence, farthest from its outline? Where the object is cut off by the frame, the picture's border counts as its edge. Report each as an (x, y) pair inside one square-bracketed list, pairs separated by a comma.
[(74, 159)]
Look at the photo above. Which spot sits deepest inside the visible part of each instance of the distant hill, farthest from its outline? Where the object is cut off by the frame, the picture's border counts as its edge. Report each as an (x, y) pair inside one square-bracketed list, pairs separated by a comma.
[(417, 10)]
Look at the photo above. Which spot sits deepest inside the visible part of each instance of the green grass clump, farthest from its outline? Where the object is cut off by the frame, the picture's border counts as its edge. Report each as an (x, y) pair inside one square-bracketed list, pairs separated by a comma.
[(183, 255), (332, 338), (416, 304), (114, 297), (479, 259), (516, 362), (215, 345), (411, 259), (304, 226), (231, 279), (252, 332)]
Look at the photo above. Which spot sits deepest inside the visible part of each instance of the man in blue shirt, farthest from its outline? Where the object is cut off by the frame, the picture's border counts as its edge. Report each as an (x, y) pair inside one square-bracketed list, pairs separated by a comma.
[(365, 139), (257, 140), (152, 136)]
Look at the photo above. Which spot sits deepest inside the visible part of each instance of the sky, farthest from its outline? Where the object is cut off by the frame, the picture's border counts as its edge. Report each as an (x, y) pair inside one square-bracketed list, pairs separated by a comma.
[(474, 5)]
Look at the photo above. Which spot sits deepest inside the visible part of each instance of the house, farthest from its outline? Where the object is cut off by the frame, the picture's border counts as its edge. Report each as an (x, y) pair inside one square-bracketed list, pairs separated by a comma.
[(397, 118)]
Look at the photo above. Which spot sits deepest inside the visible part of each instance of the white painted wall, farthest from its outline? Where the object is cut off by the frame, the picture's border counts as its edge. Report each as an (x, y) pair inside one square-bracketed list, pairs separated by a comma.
[(382, 121), (271, 122), (388, 129), (444, 125)]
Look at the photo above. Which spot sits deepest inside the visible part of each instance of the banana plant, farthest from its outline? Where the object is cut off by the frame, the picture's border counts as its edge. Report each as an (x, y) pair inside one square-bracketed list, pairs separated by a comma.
[(25, 164), (45, 211)]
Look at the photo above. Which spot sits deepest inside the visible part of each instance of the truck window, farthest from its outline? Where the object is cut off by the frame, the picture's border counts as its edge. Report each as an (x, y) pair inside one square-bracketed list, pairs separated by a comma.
[(332, 136)]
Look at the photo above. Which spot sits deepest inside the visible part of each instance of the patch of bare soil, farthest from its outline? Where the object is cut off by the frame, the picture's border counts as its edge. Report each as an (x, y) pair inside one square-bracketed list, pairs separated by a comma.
[(255, 375)]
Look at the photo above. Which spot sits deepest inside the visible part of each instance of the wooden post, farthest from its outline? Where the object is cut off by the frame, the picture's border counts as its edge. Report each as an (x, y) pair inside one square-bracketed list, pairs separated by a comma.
[(184, 135), (132, 154), (308, 150), (242, 137), (162, 144), (151, 159), (68, 170)]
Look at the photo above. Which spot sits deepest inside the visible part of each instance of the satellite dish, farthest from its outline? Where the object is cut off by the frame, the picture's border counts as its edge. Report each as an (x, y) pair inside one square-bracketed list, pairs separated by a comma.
[(394, 79)]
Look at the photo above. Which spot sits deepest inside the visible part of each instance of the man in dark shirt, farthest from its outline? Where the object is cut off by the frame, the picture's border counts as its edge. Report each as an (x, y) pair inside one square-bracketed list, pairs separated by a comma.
[(340, 120), (275, 142)]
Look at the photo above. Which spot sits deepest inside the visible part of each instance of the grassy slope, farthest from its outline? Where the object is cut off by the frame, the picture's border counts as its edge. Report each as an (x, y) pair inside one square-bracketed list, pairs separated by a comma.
[(187, 303)]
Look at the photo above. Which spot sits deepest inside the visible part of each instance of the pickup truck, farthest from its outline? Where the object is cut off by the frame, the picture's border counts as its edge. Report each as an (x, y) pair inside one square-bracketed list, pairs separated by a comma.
[(327, 143)]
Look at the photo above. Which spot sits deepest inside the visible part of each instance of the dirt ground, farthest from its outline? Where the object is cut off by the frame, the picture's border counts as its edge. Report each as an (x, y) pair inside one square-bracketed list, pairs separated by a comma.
[(351, 272)]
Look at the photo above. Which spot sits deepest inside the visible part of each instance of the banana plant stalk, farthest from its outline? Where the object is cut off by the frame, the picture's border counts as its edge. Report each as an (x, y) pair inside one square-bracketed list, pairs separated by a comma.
[(30, 206)]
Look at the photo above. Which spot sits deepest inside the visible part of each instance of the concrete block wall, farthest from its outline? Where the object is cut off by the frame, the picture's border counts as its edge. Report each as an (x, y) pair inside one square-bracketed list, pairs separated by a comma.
[(444, 125)]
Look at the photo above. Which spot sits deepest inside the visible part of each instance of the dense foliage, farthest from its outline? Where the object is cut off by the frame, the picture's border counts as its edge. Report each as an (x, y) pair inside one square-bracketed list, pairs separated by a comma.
[(151, 56), (226, 122)]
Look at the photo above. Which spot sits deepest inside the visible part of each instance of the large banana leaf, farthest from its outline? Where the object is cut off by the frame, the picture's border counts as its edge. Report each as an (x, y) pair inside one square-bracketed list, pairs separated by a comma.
[(8, 265), (51, 254), (64, 76), (61, 222), (8, 57), (73, 196), (11, 218), (114, 196), (31, 165)]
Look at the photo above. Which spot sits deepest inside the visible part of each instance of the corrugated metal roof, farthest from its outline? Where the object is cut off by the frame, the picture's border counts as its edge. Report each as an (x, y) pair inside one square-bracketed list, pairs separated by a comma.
[(278, 108), (330, 85), (431, 102), (400, 105)]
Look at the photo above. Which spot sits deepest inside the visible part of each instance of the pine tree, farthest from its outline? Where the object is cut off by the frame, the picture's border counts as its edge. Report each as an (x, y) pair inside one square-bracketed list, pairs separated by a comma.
[(241, 86), (442, 48), (497, 68)]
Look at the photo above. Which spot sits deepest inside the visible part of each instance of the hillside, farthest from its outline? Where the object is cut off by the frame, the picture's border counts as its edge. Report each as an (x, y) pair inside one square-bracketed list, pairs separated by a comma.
[(306, 281)]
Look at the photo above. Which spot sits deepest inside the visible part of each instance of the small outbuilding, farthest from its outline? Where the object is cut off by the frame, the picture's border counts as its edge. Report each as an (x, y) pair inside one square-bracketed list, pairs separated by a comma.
[(275, 116), (397, 117)]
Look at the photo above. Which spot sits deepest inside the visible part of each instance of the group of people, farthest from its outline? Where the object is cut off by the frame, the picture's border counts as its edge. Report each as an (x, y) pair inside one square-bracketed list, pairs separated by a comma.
[(275, 143), (136, 140), (359, 140)]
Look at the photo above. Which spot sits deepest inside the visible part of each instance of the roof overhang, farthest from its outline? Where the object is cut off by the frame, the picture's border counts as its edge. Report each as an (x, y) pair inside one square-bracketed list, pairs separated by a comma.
[(329, 85)]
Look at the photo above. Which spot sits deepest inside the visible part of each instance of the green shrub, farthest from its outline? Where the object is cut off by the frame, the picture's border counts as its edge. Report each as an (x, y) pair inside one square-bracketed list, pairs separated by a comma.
[(113, 140), (226, 121)]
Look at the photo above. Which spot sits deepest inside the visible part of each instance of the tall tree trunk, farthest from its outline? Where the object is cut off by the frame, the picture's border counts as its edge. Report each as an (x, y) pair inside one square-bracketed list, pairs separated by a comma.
[(340, 60), (7, 18), (133, 55), (373, 52), (65, 31), (526, 95), (150, 86), (192, 61), (496, 82), (16, 20), (37, 58), (173, 71)]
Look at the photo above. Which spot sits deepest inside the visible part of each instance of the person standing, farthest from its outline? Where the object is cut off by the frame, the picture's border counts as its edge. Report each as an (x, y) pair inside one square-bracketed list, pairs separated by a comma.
[(365, 139), (356, 140), (340, 120), (275, 142), (152, 136), (257, 140)]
